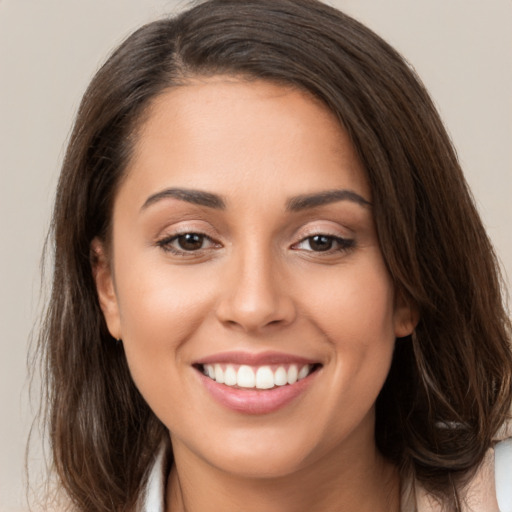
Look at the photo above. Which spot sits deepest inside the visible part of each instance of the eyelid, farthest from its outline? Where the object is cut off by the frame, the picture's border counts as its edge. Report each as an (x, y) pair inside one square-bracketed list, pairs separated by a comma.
[(324, 228), (185, 226), (344, 241)]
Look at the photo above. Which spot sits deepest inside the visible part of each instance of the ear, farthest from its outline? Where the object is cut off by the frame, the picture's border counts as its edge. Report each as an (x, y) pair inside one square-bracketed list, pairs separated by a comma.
[(104, 279), (406, 316)]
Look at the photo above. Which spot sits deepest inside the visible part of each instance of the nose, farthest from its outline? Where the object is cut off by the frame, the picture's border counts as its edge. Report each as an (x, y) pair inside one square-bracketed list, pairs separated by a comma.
[(255, 296)]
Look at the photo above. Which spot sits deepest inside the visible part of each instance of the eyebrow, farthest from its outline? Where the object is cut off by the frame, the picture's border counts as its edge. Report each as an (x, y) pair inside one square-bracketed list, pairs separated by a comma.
[(306, 201), (294, 204), (190, 196)]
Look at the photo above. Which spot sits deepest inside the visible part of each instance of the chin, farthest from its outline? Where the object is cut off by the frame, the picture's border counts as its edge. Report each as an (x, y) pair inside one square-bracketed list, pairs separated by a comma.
[(257, 457), (264, 466)]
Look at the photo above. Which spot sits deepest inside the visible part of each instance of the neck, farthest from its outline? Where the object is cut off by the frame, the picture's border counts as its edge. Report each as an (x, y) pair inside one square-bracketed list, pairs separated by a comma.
[(364, 483)]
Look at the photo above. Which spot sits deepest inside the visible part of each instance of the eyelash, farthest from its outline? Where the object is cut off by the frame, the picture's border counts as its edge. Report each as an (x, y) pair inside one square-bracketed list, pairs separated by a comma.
[(166, 243), (343, 244)]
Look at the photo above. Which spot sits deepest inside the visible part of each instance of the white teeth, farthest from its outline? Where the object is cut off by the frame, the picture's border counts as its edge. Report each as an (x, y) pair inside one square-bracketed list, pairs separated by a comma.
[(293, 373), (230, 376), (245, 377), (280, 377), (304, 372), (264, 378), (219, 374), (260, 378)]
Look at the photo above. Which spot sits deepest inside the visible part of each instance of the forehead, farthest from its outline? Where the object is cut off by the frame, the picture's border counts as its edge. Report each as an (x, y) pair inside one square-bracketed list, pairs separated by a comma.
[(224, 133)]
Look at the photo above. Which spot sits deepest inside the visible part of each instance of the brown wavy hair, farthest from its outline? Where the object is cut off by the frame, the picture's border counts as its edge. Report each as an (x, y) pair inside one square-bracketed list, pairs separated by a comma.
[(449, 388)]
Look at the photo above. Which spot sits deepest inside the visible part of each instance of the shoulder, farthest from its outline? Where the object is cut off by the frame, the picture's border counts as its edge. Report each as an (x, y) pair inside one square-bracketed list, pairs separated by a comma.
[(503, 467), (490, 490)]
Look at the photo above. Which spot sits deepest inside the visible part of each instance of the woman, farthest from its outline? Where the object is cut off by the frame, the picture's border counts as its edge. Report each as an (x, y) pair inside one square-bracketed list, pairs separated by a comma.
[(272, 290)]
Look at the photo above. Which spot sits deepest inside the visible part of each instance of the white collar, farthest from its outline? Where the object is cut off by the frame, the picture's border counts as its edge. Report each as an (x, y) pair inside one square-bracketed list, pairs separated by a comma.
[(152, 499)]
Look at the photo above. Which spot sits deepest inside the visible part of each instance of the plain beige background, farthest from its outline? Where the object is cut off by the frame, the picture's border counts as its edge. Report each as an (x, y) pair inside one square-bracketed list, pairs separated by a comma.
[(49, 50)]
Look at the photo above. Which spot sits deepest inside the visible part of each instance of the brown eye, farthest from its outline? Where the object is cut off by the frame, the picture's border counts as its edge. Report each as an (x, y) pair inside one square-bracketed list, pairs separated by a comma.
[(181, 244), (190, 241), (324, 243), (321, 243)]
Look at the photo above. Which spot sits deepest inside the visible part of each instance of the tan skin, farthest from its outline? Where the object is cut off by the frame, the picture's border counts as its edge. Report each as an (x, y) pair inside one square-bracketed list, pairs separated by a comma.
[(256, 280)]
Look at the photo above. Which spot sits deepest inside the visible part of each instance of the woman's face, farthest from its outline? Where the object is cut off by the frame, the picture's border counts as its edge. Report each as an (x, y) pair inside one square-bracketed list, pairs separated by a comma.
[(244, 247)]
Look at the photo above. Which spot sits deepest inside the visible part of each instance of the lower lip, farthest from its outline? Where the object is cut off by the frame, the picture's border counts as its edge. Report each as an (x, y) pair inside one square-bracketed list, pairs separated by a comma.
[(256, 401)]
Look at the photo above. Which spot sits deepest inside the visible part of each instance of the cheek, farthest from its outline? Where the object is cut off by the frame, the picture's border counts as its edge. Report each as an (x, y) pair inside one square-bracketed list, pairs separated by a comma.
[(356, 317), (354, 307), (161, 299), (160, 310)]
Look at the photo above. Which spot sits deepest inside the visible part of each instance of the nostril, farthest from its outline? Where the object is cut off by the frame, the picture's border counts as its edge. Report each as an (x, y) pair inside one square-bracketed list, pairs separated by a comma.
[(256, 306)]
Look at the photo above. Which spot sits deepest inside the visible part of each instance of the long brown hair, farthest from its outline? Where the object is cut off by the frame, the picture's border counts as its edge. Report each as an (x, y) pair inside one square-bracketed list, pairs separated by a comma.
[(449, 388)]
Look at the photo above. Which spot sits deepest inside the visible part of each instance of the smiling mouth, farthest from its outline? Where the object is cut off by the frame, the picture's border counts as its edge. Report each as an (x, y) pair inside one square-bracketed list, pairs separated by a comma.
[(264, 377)]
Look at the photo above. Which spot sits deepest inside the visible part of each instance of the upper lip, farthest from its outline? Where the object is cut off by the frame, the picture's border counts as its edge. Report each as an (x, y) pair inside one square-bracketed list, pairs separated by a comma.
[(254, 359)]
